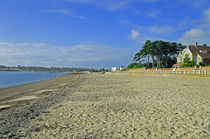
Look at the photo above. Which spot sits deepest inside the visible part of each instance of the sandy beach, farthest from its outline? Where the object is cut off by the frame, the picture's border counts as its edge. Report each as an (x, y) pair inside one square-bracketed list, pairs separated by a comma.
[(111, 106)]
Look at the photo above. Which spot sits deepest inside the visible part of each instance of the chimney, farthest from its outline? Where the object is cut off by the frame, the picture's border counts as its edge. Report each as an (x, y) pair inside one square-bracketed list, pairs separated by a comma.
[(196, 44)]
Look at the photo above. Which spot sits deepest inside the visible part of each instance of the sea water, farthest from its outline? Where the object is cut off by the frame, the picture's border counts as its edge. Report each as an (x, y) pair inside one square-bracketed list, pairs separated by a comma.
[(8, 79)]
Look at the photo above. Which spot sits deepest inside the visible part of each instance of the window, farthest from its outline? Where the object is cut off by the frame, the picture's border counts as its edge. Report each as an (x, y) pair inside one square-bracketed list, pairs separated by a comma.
[(203, 51)]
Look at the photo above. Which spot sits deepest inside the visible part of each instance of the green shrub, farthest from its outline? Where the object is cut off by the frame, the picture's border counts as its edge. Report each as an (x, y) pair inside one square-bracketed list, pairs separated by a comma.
[(187, 62), (202, 64), (191, 64)]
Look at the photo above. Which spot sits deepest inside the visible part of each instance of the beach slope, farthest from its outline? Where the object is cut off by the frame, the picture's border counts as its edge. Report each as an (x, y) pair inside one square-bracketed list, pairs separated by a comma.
[(127, 106)]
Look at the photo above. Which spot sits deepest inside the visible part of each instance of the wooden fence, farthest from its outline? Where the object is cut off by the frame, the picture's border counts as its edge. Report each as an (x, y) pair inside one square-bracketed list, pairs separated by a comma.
[(200, 72), (171, 71)]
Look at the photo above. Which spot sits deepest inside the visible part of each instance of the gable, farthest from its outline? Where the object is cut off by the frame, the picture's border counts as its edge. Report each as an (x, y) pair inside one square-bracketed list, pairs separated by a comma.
[(186, 51)]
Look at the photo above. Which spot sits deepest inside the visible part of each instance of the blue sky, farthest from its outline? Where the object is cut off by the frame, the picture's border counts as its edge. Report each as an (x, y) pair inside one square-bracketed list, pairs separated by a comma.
[(95, 33)]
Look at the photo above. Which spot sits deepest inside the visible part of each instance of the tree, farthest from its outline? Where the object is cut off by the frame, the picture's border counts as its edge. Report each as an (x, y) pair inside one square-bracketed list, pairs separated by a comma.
[(138, 58), (134, 65), (163, 54), (187, 62), (187, 59)]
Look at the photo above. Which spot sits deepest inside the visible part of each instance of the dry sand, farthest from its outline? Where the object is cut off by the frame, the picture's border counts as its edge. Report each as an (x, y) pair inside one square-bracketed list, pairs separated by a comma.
[(128, 106)]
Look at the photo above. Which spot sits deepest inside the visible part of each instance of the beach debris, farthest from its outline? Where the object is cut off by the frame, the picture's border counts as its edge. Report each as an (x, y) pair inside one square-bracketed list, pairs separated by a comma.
[(2, 107), (24, 98)]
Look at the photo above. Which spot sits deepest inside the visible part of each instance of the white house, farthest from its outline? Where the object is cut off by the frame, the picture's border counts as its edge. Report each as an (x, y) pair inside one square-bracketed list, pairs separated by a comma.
[(114, 69), (196, 53)]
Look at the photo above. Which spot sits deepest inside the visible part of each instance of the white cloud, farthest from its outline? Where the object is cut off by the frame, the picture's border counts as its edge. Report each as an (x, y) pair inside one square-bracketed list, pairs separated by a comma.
[(195, 35), (134, 34), (82, 1), (193, 4), (162, 30), (111, 5), (21, 44), (200, 32), (66, 13), (153, 15), (119, 5), (207, 14), (6, 44), (81, 55)]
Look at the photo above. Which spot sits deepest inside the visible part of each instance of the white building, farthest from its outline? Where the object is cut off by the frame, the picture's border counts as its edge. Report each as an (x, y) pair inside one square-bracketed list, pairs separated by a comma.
[(115, 69), (122, 68)]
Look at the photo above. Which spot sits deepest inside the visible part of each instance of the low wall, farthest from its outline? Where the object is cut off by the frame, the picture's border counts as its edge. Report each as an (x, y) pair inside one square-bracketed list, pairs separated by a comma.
[(137, 69), (165, 69), (187, 68), (150, 69), (204, 68)]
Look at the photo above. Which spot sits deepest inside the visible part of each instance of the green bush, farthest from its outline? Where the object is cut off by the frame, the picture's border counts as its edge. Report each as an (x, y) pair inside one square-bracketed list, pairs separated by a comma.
[(185, 65), (202, 64), (187, 62)]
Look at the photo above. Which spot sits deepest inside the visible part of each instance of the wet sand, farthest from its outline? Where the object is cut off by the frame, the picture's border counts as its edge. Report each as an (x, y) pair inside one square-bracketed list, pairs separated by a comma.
[(126, 106), (22, 90)]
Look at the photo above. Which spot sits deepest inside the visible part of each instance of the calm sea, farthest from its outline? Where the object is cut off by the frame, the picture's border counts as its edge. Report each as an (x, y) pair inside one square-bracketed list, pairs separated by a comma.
[(17, 78)]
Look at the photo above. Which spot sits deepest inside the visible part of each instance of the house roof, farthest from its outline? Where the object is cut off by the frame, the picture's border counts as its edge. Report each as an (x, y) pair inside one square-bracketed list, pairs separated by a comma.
[(198, 49)]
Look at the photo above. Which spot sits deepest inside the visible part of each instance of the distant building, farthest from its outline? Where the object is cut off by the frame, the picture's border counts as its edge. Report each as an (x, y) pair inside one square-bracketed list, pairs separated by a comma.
[(196, 53), (114, 69), (123, 68)]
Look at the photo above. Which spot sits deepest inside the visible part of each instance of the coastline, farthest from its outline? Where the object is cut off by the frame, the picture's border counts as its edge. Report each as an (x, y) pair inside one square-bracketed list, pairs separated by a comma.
[(20, 104), (21, 78), (114, 105), (12, 92)]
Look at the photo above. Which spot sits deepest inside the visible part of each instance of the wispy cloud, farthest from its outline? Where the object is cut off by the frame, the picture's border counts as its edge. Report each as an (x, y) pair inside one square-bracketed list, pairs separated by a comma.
[(111, 5), (80, 55), (65, 12), (207, 14), (141, 33), (162, 30), (153, 14), (134, 34), (23, 44), (195, 4), (200, 32)]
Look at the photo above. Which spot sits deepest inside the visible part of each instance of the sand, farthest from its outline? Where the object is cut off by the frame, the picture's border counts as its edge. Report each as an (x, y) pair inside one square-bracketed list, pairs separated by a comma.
[(20, 104), (128, 106)]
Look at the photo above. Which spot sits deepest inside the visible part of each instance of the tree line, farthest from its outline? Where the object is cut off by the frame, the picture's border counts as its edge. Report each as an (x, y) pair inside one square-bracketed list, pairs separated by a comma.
[(43, 69), (157, 54)]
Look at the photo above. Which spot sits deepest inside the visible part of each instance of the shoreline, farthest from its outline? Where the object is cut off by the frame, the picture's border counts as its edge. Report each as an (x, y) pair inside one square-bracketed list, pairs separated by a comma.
[(32, 81), (12, 92), (20, 104)]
